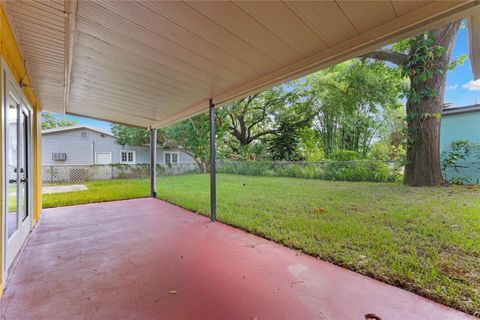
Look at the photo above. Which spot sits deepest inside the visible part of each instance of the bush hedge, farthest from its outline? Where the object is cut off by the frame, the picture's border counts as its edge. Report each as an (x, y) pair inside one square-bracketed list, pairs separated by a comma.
[(359, 170)]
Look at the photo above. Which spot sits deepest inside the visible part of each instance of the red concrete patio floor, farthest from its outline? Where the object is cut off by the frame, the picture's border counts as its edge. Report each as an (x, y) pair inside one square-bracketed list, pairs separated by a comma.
[(147, 259)]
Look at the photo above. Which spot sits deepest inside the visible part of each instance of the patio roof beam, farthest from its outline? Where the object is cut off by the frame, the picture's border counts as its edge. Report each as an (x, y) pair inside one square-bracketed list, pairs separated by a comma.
[(213, 183), (153, 163)]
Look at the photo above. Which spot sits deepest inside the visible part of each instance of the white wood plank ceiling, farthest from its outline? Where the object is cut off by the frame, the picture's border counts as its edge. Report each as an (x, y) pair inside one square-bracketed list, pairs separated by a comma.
[(40, 31), (151, 63)]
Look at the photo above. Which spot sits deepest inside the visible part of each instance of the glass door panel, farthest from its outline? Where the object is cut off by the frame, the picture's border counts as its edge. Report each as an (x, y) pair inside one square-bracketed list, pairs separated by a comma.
[(23, 166), (12, 167)]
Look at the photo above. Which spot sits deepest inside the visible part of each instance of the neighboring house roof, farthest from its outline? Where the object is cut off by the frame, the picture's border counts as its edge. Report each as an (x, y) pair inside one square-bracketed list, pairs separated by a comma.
[(464, 109), (76, 127)]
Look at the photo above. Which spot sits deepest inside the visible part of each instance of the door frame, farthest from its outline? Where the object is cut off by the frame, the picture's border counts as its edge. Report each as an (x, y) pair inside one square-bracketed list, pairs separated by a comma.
[(8, 82)]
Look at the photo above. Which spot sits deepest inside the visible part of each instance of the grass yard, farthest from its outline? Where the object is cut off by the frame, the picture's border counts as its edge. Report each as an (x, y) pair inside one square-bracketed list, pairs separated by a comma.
[(426, 240), (100, 191)]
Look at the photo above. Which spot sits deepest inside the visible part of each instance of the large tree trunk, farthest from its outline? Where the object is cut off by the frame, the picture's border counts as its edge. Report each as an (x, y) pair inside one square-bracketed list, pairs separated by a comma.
[(423, 146), (423, 138), (422, 166)]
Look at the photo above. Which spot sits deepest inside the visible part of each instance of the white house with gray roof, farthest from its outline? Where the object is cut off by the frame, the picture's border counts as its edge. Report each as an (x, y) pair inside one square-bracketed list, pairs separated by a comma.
[(85, 145)]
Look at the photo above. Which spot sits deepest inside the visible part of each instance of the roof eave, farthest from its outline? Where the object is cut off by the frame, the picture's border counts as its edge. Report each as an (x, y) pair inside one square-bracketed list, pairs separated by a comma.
[(55, 130)]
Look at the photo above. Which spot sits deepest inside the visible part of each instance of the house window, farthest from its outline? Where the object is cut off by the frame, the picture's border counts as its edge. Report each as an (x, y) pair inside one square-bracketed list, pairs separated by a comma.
[(83, 134), (171, 157), (127, 156)]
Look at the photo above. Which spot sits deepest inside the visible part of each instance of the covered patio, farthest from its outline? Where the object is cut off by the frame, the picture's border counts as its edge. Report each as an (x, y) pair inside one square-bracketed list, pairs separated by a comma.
[(148, 259), (150, 64)]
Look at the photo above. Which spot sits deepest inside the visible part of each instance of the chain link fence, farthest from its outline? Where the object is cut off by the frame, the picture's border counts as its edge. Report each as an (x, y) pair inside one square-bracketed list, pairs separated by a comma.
[(460, 162), (83, 173), (462, 172), (357, 170)]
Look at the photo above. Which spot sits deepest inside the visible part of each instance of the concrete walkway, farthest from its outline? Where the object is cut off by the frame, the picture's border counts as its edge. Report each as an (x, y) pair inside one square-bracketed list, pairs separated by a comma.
[(64, 188), (147, 259)]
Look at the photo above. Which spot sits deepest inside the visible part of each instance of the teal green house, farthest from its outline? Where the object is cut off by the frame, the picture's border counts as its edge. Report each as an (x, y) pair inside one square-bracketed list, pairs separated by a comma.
[(462, 123)]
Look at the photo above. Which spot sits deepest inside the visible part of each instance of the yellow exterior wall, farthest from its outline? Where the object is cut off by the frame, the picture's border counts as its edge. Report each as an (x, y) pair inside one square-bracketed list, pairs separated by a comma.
[(10, 52)]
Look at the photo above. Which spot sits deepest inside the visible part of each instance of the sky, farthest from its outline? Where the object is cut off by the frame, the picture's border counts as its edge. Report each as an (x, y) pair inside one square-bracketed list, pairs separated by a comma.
[(461, 90)]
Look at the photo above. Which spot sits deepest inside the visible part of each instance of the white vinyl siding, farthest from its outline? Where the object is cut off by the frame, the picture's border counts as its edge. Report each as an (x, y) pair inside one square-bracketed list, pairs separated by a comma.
[(127, 156), (80, 151)]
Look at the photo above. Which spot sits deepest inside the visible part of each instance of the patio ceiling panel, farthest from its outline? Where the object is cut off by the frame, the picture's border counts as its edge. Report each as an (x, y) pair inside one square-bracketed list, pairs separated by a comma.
[(403, 7), (40, 31), (153, 63), (363, 16)]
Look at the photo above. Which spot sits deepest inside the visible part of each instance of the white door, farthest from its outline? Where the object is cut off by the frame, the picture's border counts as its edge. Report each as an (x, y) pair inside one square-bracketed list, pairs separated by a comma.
[(103, 158), (17, 167)]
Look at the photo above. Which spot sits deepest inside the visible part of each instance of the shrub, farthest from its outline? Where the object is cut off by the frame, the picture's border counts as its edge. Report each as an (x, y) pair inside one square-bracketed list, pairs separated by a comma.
[(379, 151), (376, 171), (361, 170), (345, 155), (297, 170), (460, 162)]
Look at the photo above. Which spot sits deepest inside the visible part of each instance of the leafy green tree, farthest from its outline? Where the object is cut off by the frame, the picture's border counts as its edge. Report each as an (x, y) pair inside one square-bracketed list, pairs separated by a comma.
[(424, 60), (389, 145), (310, 146), (194, 136), (49, 121), (132, 136), (256, 117), (349, 100)]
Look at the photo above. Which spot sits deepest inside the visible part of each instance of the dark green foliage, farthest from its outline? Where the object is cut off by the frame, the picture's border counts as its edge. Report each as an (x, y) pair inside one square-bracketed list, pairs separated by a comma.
[(284, 145)]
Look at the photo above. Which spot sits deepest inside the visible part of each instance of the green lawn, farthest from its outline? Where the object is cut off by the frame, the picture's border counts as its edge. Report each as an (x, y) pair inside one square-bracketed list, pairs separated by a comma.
[(426, 240), (100, 191)]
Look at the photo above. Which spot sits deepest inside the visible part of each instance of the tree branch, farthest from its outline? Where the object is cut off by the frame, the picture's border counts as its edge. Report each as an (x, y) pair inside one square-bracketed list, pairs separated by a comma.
[(263, 133), (387, 55)]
